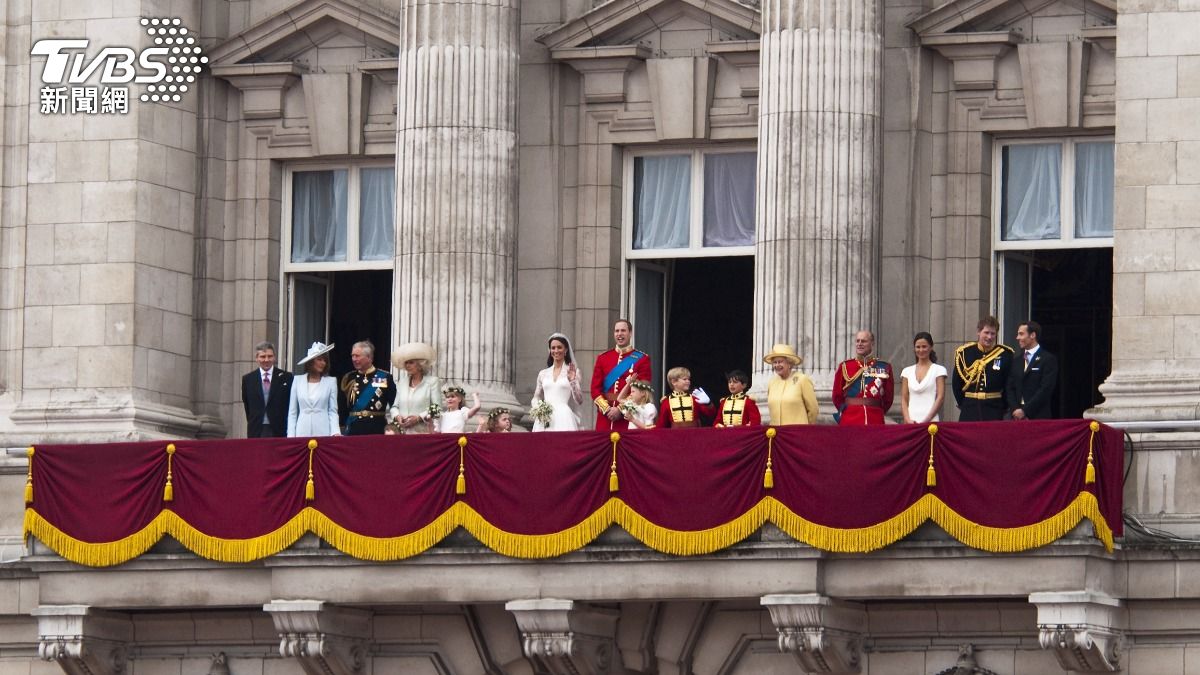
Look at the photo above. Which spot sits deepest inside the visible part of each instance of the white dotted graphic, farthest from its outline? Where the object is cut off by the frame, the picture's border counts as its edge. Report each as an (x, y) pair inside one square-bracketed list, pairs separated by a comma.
[(184, 60)]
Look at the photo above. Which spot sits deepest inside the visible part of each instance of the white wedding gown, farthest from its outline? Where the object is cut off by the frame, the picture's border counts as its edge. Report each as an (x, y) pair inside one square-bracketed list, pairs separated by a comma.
[(562, 396)]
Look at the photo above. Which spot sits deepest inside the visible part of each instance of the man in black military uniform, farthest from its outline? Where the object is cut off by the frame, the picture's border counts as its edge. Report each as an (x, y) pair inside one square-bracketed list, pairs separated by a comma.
[(368, 392), (980, 375)]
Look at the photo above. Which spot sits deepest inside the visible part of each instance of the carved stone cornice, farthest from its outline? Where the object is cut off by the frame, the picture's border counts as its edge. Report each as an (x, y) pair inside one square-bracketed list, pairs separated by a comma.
[(743, 55), (263, 86), (973, 56), (323, 638), (604, 69), (83, 640), (823, 634), (564, 637), (1083, 628)]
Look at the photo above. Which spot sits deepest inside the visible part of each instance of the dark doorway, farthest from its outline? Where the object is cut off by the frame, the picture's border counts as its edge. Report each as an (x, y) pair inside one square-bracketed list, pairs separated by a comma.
[(710, 319), (360, 308), (1071, 297)]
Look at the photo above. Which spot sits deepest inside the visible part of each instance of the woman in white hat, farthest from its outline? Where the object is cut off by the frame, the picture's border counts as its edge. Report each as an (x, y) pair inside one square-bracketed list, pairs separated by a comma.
[(416, 389), (791, 398), (313, 410)]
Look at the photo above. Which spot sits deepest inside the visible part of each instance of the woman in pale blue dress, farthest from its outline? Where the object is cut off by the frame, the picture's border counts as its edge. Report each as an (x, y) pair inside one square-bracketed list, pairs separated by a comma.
[(313, 409)]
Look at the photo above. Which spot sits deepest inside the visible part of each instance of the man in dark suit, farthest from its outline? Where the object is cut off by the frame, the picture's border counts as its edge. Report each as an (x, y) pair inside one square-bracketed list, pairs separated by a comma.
[(1033, 378), (266, 392)]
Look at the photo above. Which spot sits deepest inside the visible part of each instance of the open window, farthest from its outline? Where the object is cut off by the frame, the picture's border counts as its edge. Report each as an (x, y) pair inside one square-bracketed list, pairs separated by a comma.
[(338, 241), (1053, 228), (689, 245)]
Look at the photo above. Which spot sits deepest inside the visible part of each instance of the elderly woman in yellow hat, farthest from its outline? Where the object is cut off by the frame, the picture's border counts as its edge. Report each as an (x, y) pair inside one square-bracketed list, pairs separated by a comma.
[(791, 398)]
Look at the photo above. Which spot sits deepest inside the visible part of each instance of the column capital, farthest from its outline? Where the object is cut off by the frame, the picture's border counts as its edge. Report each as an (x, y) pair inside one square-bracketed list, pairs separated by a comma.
[(325, 639), (824, 634), (83, 640), (566, 637), (1083, 628)]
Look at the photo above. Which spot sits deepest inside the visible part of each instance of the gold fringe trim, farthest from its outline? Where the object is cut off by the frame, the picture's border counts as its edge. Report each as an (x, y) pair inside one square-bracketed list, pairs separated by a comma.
[(1012, 539), (614, 511)]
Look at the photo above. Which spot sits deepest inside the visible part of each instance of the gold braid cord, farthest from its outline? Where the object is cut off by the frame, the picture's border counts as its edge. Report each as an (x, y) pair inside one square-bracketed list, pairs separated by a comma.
[(971, 374)]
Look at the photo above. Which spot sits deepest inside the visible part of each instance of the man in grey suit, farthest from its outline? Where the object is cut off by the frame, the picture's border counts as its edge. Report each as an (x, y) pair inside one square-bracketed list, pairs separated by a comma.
[(1034, 376), (266, 391)]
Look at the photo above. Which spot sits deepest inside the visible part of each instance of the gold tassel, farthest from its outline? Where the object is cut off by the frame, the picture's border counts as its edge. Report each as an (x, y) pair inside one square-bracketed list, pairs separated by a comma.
[(613, 483), (930, 474), (768, 475), (29, 478), (1090, 475), (169, 488), (460, 485), (310, 488)]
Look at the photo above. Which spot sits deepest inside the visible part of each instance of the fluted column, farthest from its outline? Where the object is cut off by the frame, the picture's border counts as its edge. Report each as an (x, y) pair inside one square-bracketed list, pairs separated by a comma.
[(816, 257), (456, 175)]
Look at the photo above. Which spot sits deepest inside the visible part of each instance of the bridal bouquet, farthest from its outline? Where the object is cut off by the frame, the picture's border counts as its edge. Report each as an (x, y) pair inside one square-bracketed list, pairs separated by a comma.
[(541, 412), (628, 407), (434, 412)]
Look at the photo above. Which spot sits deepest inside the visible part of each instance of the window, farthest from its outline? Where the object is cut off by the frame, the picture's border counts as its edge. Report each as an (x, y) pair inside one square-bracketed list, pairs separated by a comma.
[(686, 203), (338, 243), (1054, 194), (341, 216)]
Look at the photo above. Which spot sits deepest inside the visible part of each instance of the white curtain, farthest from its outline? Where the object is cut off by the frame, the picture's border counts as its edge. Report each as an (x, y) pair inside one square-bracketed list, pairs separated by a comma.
[(661, 201), (319, 216), (729, 199), (1031, 191), (377, 213), (1094, 189)]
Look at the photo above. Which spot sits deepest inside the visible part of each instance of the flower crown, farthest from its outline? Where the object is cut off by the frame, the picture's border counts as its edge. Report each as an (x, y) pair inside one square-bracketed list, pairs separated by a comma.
[(496, 413), (641, 384), (462, 393)]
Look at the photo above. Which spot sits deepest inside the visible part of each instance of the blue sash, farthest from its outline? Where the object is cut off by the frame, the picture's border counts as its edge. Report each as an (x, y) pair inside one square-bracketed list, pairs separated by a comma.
[(364, 398), (623, 366)]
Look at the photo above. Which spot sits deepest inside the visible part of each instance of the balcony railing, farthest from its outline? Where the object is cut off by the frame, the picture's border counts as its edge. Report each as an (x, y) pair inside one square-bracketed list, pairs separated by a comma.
[(993, 486)]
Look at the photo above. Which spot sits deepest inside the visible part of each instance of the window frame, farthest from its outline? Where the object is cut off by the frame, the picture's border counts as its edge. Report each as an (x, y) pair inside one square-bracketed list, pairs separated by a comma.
[(696, 247), (353, 219), (1066, 191)]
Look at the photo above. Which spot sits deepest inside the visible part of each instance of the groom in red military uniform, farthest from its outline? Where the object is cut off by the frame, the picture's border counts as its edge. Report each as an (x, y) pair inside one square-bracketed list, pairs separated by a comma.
[(613, 369), (863, 386)]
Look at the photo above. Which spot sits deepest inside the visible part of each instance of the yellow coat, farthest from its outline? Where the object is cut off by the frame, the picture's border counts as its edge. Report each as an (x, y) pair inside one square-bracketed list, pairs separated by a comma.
[(792, 400)]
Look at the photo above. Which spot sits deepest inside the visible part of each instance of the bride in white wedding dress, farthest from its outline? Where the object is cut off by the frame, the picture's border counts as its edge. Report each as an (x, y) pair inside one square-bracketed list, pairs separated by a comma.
[(558, 385)]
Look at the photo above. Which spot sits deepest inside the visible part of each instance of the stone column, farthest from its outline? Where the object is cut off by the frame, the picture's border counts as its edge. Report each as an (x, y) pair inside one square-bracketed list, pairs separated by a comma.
[(816, 259), (1156, 242), (456, 175)]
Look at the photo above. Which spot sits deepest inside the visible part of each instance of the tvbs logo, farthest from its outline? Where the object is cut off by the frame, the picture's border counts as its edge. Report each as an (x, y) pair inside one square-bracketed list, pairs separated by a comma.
[(167, 68)]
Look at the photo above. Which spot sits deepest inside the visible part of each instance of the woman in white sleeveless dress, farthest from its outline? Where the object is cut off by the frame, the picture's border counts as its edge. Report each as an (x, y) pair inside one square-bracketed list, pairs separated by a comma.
[(923, 384), (558, 385)]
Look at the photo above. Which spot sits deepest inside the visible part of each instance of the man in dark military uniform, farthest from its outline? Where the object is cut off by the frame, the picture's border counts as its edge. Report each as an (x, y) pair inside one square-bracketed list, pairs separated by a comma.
[(980, 375), (368, 392)]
